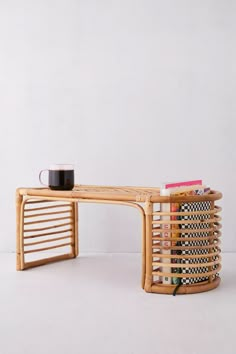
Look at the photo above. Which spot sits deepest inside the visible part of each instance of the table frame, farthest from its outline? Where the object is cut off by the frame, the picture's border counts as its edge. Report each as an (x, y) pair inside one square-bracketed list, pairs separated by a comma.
[(140, 198)]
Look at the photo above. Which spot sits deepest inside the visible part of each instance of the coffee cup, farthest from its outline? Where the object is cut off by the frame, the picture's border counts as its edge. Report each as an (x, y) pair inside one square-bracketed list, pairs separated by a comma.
[(60, 177)]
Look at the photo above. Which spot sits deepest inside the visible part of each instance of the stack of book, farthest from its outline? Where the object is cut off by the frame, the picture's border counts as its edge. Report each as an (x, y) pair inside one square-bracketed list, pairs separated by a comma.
[(182, 231)]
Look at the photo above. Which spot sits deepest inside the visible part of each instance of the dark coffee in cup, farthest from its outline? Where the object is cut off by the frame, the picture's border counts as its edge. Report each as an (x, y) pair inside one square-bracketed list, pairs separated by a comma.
[(60, 177)]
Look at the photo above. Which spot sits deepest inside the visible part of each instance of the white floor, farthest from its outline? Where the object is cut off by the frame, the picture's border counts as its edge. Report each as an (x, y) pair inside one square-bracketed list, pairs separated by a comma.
[(94, 304)]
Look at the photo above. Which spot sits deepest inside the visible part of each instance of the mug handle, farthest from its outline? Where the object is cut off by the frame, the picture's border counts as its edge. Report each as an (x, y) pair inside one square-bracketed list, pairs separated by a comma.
[(40, 174)]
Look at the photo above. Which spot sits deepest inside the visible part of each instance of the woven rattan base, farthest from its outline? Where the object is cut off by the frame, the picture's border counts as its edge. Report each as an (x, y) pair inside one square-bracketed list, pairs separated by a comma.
[(47, 221)]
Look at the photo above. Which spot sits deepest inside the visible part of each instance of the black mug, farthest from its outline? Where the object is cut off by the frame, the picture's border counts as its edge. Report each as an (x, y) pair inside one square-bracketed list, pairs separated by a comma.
[(60, 177)]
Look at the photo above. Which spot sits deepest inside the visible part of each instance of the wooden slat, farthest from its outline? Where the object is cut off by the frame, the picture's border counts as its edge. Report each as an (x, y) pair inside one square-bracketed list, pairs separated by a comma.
[(185, 231), (186, 213), (184, 239), (186, 222), (39, 201), (183, 256), (48, 227), (47, 260), (180, 248), (76, 230), (19, 234), (48, 207), (49, 240), (48, 234), (47, 220), (46, 214), (48, 248)]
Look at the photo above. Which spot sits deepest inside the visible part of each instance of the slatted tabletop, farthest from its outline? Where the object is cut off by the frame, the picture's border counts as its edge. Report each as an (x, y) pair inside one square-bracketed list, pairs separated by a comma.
[(134, 194), (124, 193)]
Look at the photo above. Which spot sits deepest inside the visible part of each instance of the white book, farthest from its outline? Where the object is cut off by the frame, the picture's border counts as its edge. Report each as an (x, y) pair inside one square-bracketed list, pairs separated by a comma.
[(165, 207)]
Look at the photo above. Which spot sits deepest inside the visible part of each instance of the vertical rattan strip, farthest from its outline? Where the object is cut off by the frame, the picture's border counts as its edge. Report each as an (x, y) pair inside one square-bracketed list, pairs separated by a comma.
[(19, 200), (76, 230), (148, 276), (143, 247), (21, 238)]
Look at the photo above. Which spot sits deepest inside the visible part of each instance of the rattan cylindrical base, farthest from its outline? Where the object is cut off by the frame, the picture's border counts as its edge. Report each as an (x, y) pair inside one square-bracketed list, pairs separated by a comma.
[(183, 244)]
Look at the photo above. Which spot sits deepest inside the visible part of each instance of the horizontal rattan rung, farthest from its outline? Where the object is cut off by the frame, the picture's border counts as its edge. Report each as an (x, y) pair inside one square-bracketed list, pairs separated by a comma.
[(185, 239), (186, 222), (40, 201), (172, 286), (49, 227), (47, 220), (49, 248), (187, 265), (186, 213), (48, 260), (184, 275), (48, 207), (45, 214), (170, 248), (184, 256), (186, 231), (48, 233), (45, 241)]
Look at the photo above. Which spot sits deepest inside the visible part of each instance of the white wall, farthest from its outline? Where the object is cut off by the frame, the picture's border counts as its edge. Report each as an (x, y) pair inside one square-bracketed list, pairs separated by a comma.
[(132, 92)]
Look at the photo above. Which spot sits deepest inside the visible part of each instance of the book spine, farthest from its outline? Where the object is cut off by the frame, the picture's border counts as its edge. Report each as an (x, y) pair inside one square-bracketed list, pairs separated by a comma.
[(174, 207), (165, 207)]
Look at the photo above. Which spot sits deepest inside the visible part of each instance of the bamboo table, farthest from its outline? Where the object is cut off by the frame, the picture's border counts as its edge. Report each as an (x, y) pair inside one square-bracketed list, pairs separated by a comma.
[(48, 220)]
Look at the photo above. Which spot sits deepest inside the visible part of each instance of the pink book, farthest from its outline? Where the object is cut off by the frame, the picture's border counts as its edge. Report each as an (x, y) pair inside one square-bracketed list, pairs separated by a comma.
[(180, 184)]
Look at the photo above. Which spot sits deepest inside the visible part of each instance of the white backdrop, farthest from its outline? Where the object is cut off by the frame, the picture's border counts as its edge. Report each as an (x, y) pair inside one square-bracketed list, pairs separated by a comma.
[(131, 92)]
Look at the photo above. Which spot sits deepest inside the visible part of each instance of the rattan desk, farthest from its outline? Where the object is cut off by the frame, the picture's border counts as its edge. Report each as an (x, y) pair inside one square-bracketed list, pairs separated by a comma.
[(48, 220)]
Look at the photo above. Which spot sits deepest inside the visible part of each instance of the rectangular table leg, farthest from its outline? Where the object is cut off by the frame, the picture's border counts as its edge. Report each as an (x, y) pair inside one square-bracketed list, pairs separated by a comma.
[(44, 225)]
